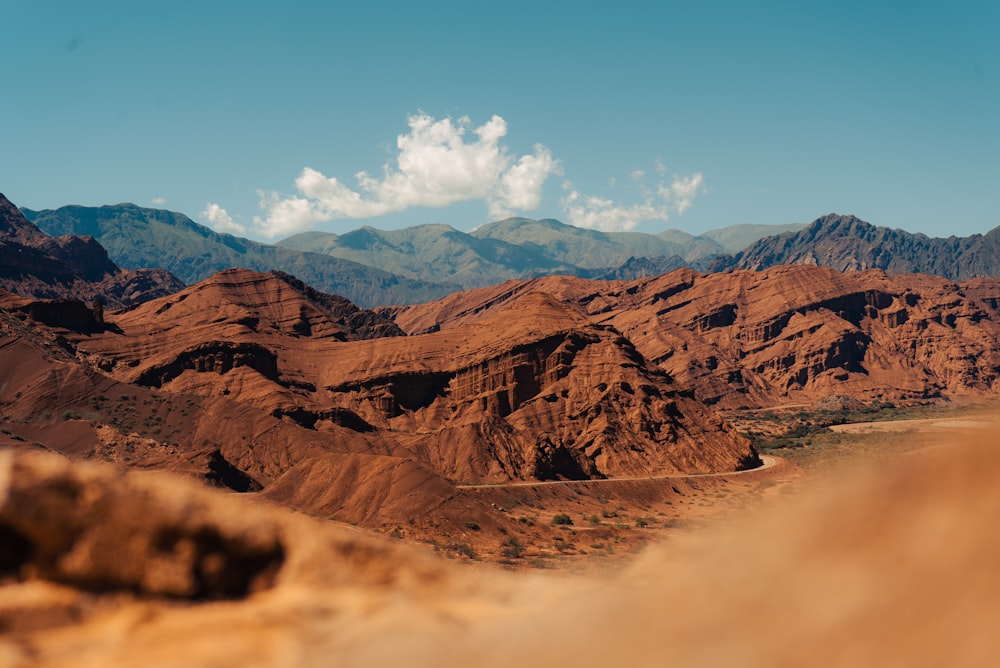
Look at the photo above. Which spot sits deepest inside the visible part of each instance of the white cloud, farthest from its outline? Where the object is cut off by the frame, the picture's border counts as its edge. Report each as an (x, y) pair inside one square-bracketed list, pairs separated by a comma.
[(220, 219), (521, 186), (682, 191), (435, 167), (657, 205), (159, 201)]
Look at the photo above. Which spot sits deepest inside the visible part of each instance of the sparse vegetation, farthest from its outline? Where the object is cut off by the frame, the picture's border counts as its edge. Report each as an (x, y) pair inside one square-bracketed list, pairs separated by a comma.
[(563, 547), (463, 549), (562, 519), (511, 548)]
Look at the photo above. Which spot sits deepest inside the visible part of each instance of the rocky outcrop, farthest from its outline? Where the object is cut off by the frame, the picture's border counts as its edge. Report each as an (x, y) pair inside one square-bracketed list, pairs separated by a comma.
[(537, 391), (62, 313), (541, 394), (357, 323), (212, 356), (787, 334), (921, 528)]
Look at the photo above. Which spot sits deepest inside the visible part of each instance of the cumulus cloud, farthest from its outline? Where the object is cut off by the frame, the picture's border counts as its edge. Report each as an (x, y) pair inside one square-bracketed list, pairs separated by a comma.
[(682, 191), (159, 201), (220, 219), (657, 204), (437, 164)]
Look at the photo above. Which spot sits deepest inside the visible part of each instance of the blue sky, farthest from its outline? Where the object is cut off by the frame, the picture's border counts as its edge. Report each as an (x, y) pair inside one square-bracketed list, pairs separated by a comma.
[(258, 116)]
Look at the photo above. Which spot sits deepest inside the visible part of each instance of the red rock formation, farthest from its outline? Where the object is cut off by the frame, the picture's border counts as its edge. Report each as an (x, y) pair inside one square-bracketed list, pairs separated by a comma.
[(538, 391), (788, 334)]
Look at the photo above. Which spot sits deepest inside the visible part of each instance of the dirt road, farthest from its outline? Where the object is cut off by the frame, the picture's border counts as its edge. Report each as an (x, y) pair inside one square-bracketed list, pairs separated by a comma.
[(768, 462)]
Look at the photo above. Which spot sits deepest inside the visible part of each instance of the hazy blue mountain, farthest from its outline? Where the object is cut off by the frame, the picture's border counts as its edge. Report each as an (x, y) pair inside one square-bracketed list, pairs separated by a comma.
[(735, 238), (593, 249), (521, 247), (137, 237)]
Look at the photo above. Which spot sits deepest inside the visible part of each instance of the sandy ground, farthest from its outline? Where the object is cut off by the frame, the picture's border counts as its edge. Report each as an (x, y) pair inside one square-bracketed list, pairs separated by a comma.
[(924, 425), (893, 567)]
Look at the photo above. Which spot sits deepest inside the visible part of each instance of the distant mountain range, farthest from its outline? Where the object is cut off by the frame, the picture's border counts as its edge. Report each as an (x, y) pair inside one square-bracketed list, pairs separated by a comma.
[(137, 237), (521, 248), (846, 243), (371, 266), (417, 264)]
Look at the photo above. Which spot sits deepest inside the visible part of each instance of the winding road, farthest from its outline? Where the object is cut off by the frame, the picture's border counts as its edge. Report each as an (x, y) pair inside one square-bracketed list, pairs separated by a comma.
[(768, 462)]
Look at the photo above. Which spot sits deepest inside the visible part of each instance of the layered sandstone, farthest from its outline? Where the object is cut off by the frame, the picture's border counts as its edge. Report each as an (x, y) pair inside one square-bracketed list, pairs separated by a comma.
[(536, 391), (784, 335)]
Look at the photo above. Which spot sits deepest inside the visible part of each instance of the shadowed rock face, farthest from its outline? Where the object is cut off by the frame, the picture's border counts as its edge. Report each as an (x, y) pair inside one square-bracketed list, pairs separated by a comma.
[(846, 243), (62, 313), (786, 334), (213, 356)]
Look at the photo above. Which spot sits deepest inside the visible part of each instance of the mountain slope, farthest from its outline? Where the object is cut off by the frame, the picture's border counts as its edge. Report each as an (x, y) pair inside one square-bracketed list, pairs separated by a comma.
[(33, 263), (847, 243), (138, 237), (524, 248), (432, 253), (593, 249), (737, 237)]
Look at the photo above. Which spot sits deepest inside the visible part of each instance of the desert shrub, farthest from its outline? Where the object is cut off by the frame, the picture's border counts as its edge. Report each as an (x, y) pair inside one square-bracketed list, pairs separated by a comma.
[(463, 549), (474, 526), (562, 518), (512, 548)]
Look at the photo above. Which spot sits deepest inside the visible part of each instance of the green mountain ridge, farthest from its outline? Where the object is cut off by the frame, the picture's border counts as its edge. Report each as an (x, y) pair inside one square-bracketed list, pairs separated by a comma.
[(379, 267), (522, 247), (437, 253), (137, 237)]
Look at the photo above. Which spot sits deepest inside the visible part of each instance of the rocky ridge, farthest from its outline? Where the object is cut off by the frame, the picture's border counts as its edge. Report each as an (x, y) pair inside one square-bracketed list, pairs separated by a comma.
[(846, 243), (785, 335), (69, 266), (537, 391)]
